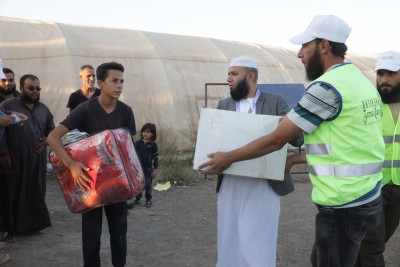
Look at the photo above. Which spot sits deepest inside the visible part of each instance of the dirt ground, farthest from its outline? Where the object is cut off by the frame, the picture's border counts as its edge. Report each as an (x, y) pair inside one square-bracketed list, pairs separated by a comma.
[(179, 230)]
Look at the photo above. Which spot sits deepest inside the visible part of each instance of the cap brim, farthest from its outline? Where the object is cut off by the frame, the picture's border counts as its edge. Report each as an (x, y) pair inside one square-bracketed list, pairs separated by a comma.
[(387, 66), (302, 38)]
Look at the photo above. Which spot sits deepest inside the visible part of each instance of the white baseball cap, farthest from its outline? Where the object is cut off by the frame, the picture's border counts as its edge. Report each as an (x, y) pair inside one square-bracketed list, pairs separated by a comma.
[(389, 60), (243, 61), (2, 75), (327, 27)]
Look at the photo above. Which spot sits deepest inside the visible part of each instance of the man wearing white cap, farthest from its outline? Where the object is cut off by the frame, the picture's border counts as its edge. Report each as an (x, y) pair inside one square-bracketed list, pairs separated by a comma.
[(341, 115), (388, 84), (248, 208)]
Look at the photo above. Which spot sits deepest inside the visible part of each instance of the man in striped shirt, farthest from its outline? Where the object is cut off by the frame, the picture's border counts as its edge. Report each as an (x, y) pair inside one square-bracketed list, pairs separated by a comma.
[(341, 115)]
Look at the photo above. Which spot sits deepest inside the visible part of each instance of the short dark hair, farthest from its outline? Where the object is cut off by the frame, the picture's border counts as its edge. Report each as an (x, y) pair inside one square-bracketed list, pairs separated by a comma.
[(253, 70), (338, 49), (7, 70), (86, 67), (27, 76), (152, 128), (102, 70)]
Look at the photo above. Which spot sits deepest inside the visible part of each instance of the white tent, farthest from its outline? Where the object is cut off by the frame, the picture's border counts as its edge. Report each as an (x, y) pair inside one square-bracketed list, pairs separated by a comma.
[(164, 74)]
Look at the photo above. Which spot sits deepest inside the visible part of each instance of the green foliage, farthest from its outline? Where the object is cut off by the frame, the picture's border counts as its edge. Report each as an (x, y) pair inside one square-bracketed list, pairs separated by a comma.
[(176, 165)]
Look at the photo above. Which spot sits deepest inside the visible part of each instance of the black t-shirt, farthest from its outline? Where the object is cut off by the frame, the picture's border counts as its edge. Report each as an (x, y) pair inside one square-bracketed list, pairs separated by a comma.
[(16, 94), (77, 97), (90, 117)]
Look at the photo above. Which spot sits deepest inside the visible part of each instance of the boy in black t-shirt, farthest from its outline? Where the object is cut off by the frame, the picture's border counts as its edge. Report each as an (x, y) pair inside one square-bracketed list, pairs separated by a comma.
[(98, 114)]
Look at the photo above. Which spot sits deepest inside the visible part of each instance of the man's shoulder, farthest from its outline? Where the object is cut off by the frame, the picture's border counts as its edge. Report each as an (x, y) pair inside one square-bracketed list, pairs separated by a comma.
[(270, 96), (124, 106), (42, 106), (227, 99), (76, 92), (224, 103), (90, 102), (12, 101)]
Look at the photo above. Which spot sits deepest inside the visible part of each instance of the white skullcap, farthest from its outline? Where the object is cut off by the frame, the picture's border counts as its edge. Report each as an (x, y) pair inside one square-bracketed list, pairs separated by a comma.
[(246, 62)]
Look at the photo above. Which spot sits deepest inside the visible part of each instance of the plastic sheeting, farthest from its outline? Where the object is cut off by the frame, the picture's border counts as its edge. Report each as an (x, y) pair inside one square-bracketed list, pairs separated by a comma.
[(165, 74)]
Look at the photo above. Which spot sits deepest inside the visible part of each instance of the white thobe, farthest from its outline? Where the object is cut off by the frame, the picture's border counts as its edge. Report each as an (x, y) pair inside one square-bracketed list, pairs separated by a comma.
[(248, 217)]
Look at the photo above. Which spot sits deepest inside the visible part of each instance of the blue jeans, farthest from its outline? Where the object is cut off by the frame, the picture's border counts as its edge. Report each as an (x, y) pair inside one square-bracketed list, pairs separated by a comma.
[(339, 232), (91, 233), (148, 185)]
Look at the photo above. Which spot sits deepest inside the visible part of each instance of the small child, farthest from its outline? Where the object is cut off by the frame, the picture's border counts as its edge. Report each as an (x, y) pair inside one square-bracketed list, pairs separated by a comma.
[(147, 151)]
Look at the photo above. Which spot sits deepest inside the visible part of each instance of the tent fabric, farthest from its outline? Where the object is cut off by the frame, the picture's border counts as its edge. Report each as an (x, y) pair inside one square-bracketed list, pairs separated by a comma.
[(165, 74)]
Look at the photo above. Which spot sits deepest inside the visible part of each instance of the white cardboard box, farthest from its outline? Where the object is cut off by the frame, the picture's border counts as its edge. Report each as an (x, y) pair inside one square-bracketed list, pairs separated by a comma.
[(221, 130)]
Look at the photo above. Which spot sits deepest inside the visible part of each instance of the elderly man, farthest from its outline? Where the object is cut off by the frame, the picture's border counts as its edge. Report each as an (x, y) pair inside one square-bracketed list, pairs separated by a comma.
[(248, 208), (341, 115), (24, 161), (88, 89)]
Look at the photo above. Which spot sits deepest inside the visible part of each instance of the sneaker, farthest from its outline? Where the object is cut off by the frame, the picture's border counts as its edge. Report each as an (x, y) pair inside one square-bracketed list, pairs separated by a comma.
[(3, 235), (4, 258), (132, 204), (10, 238), (149, 203)]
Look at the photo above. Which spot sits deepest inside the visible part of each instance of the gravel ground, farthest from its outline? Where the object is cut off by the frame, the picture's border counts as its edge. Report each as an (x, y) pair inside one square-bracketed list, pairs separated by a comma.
[(179, 230)]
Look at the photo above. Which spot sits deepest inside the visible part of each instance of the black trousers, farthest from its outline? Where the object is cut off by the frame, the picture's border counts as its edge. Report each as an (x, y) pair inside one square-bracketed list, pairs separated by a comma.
[(373, 245)]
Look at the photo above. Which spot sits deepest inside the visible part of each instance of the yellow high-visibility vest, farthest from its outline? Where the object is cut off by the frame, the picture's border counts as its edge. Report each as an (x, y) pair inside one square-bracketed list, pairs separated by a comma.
[(391, 137), (345, 154)]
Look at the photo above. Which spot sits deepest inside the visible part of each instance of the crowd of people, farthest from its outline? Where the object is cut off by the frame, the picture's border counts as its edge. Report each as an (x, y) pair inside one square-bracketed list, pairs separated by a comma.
[(348, 126), (23, 158)]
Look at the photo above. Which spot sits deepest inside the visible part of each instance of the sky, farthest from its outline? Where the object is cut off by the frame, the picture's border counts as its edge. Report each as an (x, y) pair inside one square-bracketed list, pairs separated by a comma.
[(375, 25)]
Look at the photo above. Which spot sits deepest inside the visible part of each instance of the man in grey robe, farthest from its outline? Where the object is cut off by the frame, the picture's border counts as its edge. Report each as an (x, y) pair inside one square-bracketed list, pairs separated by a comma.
[(23, 162)]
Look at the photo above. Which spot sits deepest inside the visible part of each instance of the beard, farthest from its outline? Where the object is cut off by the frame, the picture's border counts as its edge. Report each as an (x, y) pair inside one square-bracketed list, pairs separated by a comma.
[(7, 90), (392, 96), (241, 90), (28, 99), (314, 67)]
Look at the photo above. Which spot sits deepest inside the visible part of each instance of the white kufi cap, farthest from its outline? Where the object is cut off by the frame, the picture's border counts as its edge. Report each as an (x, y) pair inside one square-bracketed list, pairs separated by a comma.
[(246, 62)]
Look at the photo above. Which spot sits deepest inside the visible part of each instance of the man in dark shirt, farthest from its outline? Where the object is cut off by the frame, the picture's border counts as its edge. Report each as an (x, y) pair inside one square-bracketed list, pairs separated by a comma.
[(98, 114), (24, 161), (88, 89)]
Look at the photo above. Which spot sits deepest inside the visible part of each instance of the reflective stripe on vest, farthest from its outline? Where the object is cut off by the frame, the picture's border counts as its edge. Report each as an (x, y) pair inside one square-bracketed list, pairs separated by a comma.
[(391, 139), (346, 171), (318, 149), (391, 164)]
